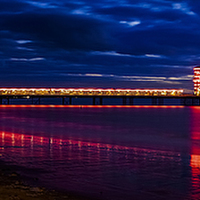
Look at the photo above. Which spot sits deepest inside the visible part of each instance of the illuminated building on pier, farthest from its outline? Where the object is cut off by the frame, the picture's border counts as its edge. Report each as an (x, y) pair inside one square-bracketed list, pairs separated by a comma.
[(196, 80)]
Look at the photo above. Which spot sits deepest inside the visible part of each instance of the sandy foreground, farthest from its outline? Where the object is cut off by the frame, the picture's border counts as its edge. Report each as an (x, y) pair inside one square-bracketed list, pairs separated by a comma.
[(13, 187)]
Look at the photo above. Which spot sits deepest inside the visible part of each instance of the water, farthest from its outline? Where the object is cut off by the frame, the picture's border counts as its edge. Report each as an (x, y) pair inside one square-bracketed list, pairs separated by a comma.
[(138, 152)]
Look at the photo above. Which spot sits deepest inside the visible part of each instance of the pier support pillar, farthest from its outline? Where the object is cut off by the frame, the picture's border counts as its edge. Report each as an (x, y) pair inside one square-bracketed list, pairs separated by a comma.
[(8, 101), (154, 101), (193, 102), (94, 101), (70, 100), (1, 101), (185, 102), (124, 100), (160, 101), (63, 100), (188, 102), (182, 101), (131, 100), (101, 100)]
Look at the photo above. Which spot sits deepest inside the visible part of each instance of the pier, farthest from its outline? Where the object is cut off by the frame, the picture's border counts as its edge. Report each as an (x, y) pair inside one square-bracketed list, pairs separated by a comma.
[(97, 96)]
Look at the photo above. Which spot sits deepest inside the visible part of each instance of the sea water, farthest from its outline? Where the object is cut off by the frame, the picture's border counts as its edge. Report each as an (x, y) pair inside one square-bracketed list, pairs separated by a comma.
[(106, 152)]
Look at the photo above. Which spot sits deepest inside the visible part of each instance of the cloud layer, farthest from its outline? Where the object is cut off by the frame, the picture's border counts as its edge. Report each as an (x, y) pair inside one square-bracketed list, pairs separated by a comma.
[(99, 43)]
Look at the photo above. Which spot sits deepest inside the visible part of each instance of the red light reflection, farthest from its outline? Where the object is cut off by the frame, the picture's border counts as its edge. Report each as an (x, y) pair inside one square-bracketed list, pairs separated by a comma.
[(38, 151), (17, 141), (195, 151), (88, 106)]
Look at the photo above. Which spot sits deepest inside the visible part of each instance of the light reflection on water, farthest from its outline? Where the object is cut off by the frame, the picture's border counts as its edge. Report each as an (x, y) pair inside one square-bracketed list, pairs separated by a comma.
[(109, 153), (195, 152)]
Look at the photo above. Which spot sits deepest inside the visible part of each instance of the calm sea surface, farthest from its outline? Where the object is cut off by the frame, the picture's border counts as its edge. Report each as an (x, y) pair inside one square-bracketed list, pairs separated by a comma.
[(138, 152)]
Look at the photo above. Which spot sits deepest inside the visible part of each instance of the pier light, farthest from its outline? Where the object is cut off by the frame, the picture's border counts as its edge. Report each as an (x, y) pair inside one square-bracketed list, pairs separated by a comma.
[(28, 92), (173, 92), (42, 89), (196, 68)]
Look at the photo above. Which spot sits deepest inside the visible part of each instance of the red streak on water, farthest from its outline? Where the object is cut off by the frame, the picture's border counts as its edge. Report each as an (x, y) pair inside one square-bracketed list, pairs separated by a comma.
[(195, 152), (22, 140)]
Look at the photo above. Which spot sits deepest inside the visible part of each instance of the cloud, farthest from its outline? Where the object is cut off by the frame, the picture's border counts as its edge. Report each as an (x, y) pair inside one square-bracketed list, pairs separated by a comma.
[(41, 4), (153, 56), (24, 48), (26, 59), (110, 53), (171, 80), (94, 75), (64, 31), (133, 23), (183, 7), (23, 41), (144, 13), (182, 78), (113, 53)]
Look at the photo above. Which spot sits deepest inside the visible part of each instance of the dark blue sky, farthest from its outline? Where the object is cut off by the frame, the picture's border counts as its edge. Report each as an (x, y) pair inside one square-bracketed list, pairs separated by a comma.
[(99, 43)]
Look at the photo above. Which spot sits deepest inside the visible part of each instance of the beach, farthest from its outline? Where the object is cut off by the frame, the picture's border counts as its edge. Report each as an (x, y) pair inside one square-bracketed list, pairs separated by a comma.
[(15, 187)]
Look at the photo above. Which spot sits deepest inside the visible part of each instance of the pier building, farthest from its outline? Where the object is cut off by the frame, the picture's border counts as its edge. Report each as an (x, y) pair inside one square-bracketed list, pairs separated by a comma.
[(196, 80)]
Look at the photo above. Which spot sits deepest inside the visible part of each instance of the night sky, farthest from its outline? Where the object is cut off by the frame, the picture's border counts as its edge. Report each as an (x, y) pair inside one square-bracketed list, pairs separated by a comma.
[(99, 43)]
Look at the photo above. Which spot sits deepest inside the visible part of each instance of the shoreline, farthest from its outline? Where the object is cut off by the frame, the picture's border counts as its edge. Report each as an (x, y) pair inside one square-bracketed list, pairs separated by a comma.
[(13, 186)]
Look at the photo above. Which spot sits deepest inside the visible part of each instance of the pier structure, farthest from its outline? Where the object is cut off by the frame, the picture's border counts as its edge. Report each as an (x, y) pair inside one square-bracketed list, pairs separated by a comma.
[(196, 80), (97, 95), (128, 96)]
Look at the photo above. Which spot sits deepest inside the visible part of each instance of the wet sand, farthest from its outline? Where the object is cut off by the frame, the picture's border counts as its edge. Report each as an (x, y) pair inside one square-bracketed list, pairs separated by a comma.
[(15, 187)]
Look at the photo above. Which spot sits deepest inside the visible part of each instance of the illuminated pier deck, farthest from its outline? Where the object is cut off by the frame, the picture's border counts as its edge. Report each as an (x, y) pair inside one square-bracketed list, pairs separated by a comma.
[(87, 92), (67, 95)]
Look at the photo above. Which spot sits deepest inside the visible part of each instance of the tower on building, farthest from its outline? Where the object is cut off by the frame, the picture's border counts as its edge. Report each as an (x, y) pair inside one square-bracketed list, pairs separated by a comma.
[(196, 80)]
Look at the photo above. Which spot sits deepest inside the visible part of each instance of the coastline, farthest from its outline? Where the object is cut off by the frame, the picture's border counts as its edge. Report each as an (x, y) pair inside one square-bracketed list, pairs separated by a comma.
[(13, 186)]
